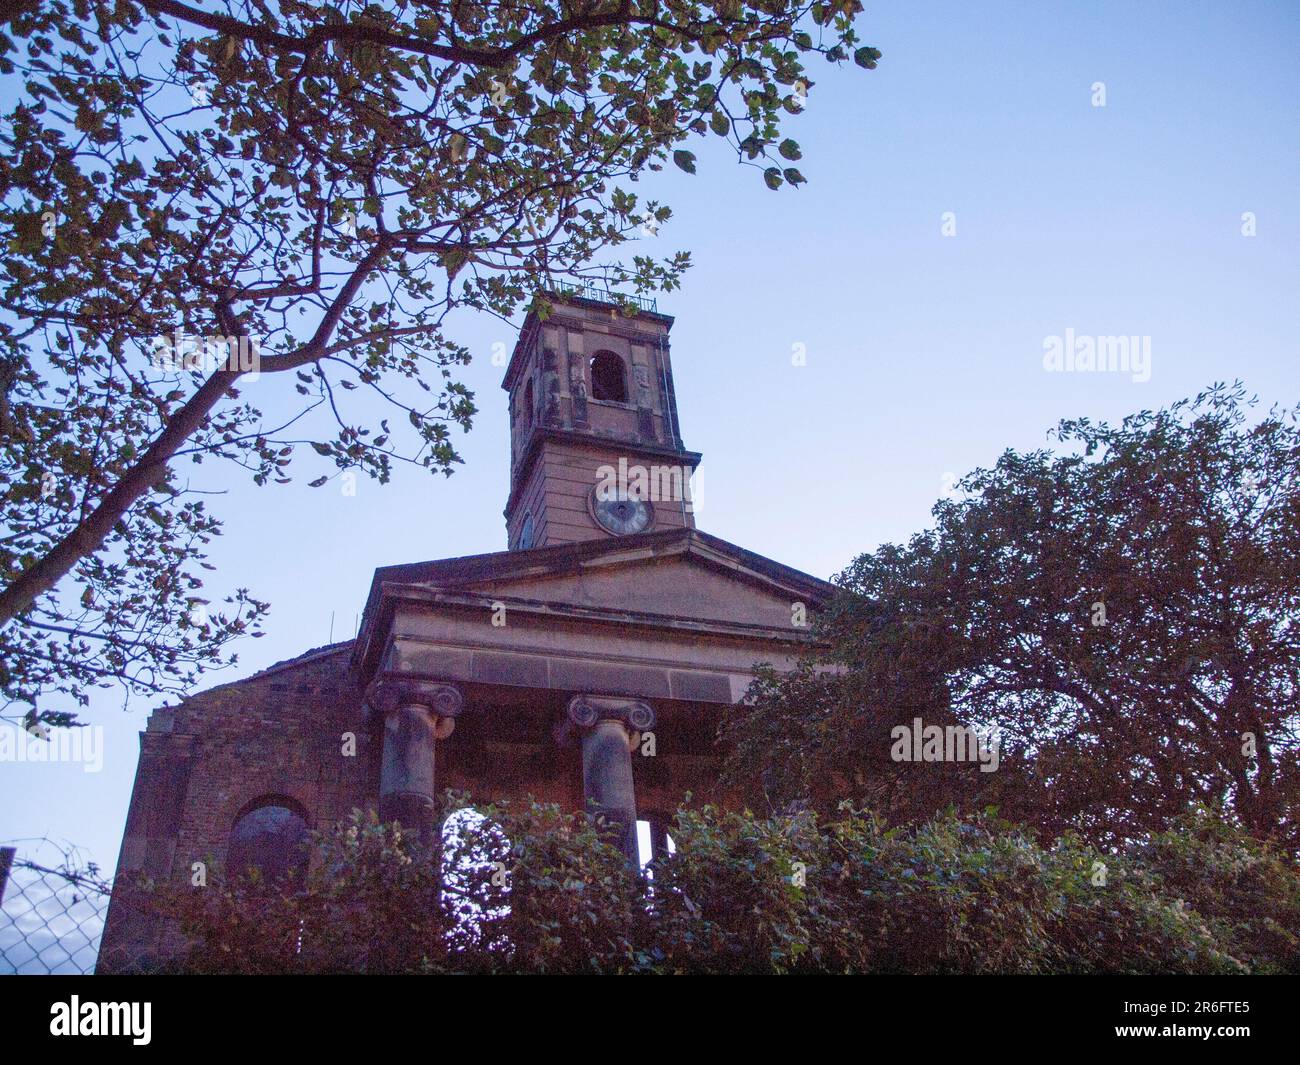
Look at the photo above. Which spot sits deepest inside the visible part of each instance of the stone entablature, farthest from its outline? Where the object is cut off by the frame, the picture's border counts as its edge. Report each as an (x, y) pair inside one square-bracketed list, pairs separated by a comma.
[(711, 612)]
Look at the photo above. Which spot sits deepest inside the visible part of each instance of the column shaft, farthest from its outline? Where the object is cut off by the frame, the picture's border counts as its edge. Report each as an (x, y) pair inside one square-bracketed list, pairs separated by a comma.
[(607, 780), (406, 774)]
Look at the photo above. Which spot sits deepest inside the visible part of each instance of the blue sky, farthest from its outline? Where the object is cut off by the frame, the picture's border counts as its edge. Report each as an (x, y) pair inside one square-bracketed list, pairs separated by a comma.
[(924, 352)]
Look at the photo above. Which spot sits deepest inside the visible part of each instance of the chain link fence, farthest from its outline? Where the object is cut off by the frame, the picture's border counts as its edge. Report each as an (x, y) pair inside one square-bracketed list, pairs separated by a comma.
[(51, 915)]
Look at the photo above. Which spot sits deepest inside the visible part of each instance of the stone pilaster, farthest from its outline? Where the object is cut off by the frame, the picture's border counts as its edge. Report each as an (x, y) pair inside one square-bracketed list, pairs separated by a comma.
[(135, 936), (610, 729), (415, 714)]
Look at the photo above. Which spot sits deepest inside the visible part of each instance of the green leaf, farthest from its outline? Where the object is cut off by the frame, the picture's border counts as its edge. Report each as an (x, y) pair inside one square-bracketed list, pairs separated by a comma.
[(685, 160), (790, 150), (794, 177), (866, 57), (720, 123), (772, 176), (453, 260)]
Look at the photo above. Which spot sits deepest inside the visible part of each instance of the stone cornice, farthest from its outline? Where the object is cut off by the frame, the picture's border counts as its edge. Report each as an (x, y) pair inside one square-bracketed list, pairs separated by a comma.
[(544, 610), (576, 322)]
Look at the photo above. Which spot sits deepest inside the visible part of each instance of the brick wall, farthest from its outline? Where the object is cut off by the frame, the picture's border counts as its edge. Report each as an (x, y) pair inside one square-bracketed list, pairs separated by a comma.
[(204, 762)]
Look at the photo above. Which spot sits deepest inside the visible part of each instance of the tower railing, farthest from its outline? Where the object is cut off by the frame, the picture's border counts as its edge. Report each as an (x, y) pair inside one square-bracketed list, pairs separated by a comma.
[(597, 294)]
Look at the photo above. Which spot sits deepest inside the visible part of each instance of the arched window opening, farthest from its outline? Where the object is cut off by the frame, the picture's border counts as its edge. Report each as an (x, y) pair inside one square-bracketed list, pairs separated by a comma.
[(653, 841), (475, 879), (527, 534), (272, 838), (608, 381)]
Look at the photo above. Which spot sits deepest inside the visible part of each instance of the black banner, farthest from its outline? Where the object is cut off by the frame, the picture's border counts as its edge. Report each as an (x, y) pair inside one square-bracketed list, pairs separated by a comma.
[(335, 1013)]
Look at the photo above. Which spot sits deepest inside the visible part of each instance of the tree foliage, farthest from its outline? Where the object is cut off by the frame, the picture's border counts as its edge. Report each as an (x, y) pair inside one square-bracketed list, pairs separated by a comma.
[(235, 233), (1123, 612), (741, 894)]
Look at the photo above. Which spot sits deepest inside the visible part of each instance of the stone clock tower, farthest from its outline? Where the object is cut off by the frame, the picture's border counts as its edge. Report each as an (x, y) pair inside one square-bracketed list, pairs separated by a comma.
[(595, 447), (589, 664)]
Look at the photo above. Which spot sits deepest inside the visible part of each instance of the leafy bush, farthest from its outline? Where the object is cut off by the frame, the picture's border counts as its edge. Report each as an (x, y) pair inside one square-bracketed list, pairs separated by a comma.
[(528, 887), (1247, 890)]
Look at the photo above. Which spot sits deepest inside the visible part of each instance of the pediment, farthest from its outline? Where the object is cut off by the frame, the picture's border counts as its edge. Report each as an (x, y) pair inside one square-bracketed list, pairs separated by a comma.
[(683, 587), (681, 577)]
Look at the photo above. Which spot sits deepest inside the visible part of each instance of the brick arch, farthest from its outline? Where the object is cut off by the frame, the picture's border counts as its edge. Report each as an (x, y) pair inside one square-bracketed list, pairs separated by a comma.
[(278, 848), (273, 798)]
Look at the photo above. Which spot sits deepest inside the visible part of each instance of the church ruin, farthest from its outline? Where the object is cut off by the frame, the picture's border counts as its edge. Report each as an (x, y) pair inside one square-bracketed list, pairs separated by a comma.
[(588, 664)]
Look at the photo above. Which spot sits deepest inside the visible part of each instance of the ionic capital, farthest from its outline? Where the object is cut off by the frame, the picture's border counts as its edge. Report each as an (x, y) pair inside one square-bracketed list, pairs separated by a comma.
[(586, 711), (391, 693)]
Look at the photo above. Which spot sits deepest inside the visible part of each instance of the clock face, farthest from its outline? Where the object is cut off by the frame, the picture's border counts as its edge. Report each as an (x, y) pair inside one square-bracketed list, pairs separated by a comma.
[(622, 516)]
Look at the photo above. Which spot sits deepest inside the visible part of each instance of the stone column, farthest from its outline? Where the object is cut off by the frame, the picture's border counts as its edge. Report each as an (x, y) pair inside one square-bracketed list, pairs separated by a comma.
[(415, 714), (611, 729)]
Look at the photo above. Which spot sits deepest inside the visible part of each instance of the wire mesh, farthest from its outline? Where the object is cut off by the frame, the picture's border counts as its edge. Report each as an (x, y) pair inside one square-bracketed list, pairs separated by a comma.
[(51, 917)]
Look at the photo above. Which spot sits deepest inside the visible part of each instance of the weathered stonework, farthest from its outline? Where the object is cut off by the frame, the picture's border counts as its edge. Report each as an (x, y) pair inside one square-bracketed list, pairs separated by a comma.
[(522, 672), (204, 762)]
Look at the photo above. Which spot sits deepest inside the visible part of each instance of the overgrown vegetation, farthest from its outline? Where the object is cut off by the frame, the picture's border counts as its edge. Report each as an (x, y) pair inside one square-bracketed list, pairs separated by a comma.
[(744, 894), (1122, 610)]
